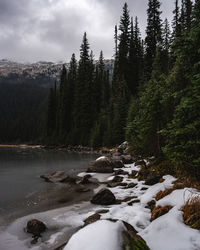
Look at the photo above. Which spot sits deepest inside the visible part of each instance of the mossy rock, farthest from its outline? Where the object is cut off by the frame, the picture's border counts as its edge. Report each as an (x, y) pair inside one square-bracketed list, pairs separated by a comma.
[(131, 240), (194, 221), (196, 225)]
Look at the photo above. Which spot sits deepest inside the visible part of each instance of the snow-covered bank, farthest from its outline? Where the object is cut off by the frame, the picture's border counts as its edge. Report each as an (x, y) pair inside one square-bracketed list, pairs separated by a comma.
[(61, 223), (166, 232)]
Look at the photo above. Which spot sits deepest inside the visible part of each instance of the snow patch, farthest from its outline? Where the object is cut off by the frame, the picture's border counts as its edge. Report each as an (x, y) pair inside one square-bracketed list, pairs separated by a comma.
[(101, 158), (97, 236)]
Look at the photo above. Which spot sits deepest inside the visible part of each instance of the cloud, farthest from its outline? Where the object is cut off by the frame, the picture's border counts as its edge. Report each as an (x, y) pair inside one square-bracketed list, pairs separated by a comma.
[(32, 30)]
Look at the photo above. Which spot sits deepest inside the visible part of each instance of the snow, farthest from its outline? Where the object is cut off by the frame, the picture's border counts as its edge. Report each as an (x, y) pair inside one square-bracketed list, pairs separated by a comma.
[(101, 158), (101, 177), (153, 190), (167, 232), (60, 222), (101, 235), (176, 198), (137, 216)]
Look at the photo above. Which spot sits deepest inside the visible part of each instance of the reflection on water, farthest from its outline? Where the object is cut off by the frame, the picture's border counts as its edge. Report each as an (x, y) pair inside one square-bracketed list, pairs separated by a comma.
[(20, 171)]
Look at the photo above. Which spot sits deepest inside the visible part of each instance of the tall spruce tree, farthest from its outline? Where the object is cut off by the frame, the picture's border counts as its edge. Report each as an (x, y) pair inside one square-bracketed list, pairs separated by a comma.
[(134, 59), (120, 90), (176, 22), (165, 60), (52, 112), (124, 40), (72, 79), (182, 134), (101, 93), (83, 97), (63, 121), (153, 34)]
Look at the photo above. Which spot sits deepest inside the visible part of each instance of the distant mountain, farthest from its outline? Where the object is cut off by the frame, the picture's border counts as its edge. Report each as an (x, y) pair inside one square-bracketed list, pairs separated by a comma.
[(43, 73)]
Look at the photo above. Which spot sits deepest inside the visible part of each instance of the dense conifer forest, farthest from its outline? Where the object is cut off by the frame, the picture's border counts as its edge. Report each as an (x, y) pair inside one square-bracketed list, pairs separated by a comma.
[(153, 100), (22, 112)]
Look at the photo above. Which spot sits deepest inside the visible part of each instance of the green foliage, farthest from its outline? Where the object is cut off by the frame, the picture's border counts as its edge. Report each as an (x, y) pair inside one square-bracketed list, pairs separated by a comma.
[(183, 133), (52, 111), (143, 130), (160, 115), (154, 34), (23, 109)]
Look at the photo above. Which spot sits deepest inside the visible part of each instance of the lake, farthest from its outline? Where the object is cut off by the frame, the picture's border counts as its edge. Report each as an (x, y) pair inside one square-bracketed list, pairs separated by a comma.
[(20, 170)]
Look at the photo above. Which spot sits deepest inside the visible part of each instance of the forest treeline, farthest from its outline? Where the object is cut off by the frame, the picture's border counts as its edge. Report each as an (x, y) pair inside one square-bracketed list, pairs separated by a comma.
[(153, 100), (22, 112)]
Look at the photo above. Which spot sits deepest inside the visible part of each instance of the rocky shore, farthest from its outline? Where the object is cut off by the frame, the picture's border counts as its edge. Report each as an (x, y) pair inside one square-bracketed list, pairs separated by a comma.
[(117, 203)]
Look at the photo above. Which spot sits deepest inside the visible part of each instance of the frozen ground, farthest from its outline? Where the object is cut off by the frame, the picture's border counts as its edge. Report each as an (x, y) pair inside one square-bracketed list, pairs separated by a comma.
[(167, 232)]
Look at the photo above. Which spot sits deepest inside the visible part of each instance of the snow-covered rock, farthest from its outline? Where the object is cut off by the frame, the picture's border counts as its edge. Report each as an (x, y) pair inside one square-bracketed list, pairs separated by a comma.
[(101, 235)]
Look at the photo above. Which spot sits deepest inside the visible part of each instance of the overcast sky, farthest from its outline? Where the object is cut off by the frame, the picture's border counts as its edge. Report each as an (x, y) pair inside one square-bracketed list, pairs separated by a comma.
[(51, 30)]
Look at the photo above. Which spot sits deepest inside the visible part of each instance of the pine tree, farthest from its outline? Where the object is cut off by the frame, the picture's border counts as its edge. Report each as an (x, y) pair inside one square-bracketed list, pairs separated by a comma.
[(146, 117), (165, 60), (153, 34), (101, 94), (63, 102), (186, 15), (124, 39), (134, 59), (83, 104), (175, 23), (72, 79), (52, 112), (116, 40), (182, 133)]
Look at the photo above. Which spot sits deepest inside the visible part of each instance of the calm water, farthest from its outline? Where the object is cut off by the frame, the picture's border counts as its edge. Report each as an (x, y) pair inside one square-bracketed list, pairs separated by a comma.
[(20, 171)]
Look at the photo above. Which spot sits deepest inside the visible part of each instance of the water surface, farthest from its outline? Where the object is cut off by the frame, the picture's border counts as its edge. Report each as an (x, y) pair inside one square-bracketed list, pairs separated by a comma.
[(20, 170)]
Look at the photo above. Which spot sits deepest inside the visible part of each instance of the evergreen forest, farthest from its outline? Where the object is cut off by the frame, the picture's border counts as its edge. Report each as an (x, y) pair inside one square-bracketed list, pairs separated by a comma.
[(152, 99)]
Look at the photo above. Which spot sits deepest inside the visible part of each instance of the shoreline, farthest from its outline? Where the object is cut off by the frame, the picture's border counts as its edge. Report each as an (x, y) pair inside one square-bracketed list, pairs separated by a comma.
[(20, 146), (133, 205), (58, 196), (65, 148)]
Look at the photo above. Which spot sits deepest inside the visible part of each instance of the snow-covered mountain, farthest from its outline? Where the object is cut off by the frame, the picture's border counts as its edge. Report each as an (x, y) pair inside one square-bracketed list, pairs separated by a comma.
[(48, 70)]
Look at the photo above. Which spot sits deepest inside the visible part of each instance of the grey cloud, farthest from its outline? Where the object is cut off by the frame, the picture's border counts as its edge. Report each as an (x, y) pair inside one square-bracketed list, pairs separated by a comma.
[(27, 34)]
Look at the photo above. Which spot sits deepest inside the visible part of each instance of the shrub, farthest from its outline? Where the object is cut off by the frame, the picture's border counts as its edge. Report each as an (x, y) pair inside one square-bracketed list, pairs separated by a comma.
[(191, 211)]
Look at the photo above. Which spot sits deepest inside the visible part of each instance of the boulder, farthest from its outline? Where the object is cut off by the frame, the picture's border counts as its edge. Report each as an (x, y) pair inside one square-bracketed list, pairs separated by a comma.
[(117, 178), (127, 159), (152, 179), (104, 197), (120, 172), (116, 184), (143, 173), (117, 164), (131, 185), (58, 176), (102, 211), (101, 166), (92, 218), (84, 179), (116, 156), (131, 240), (82, 189), (35, 227), (123, 146), (140, 163), (116, 153), (134, 173)]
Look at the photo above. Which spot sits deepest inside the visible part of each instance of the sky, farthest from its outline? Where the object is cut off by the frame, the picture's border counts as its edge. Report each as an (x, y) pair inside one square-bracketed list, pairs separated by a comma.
[(51, 30)]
